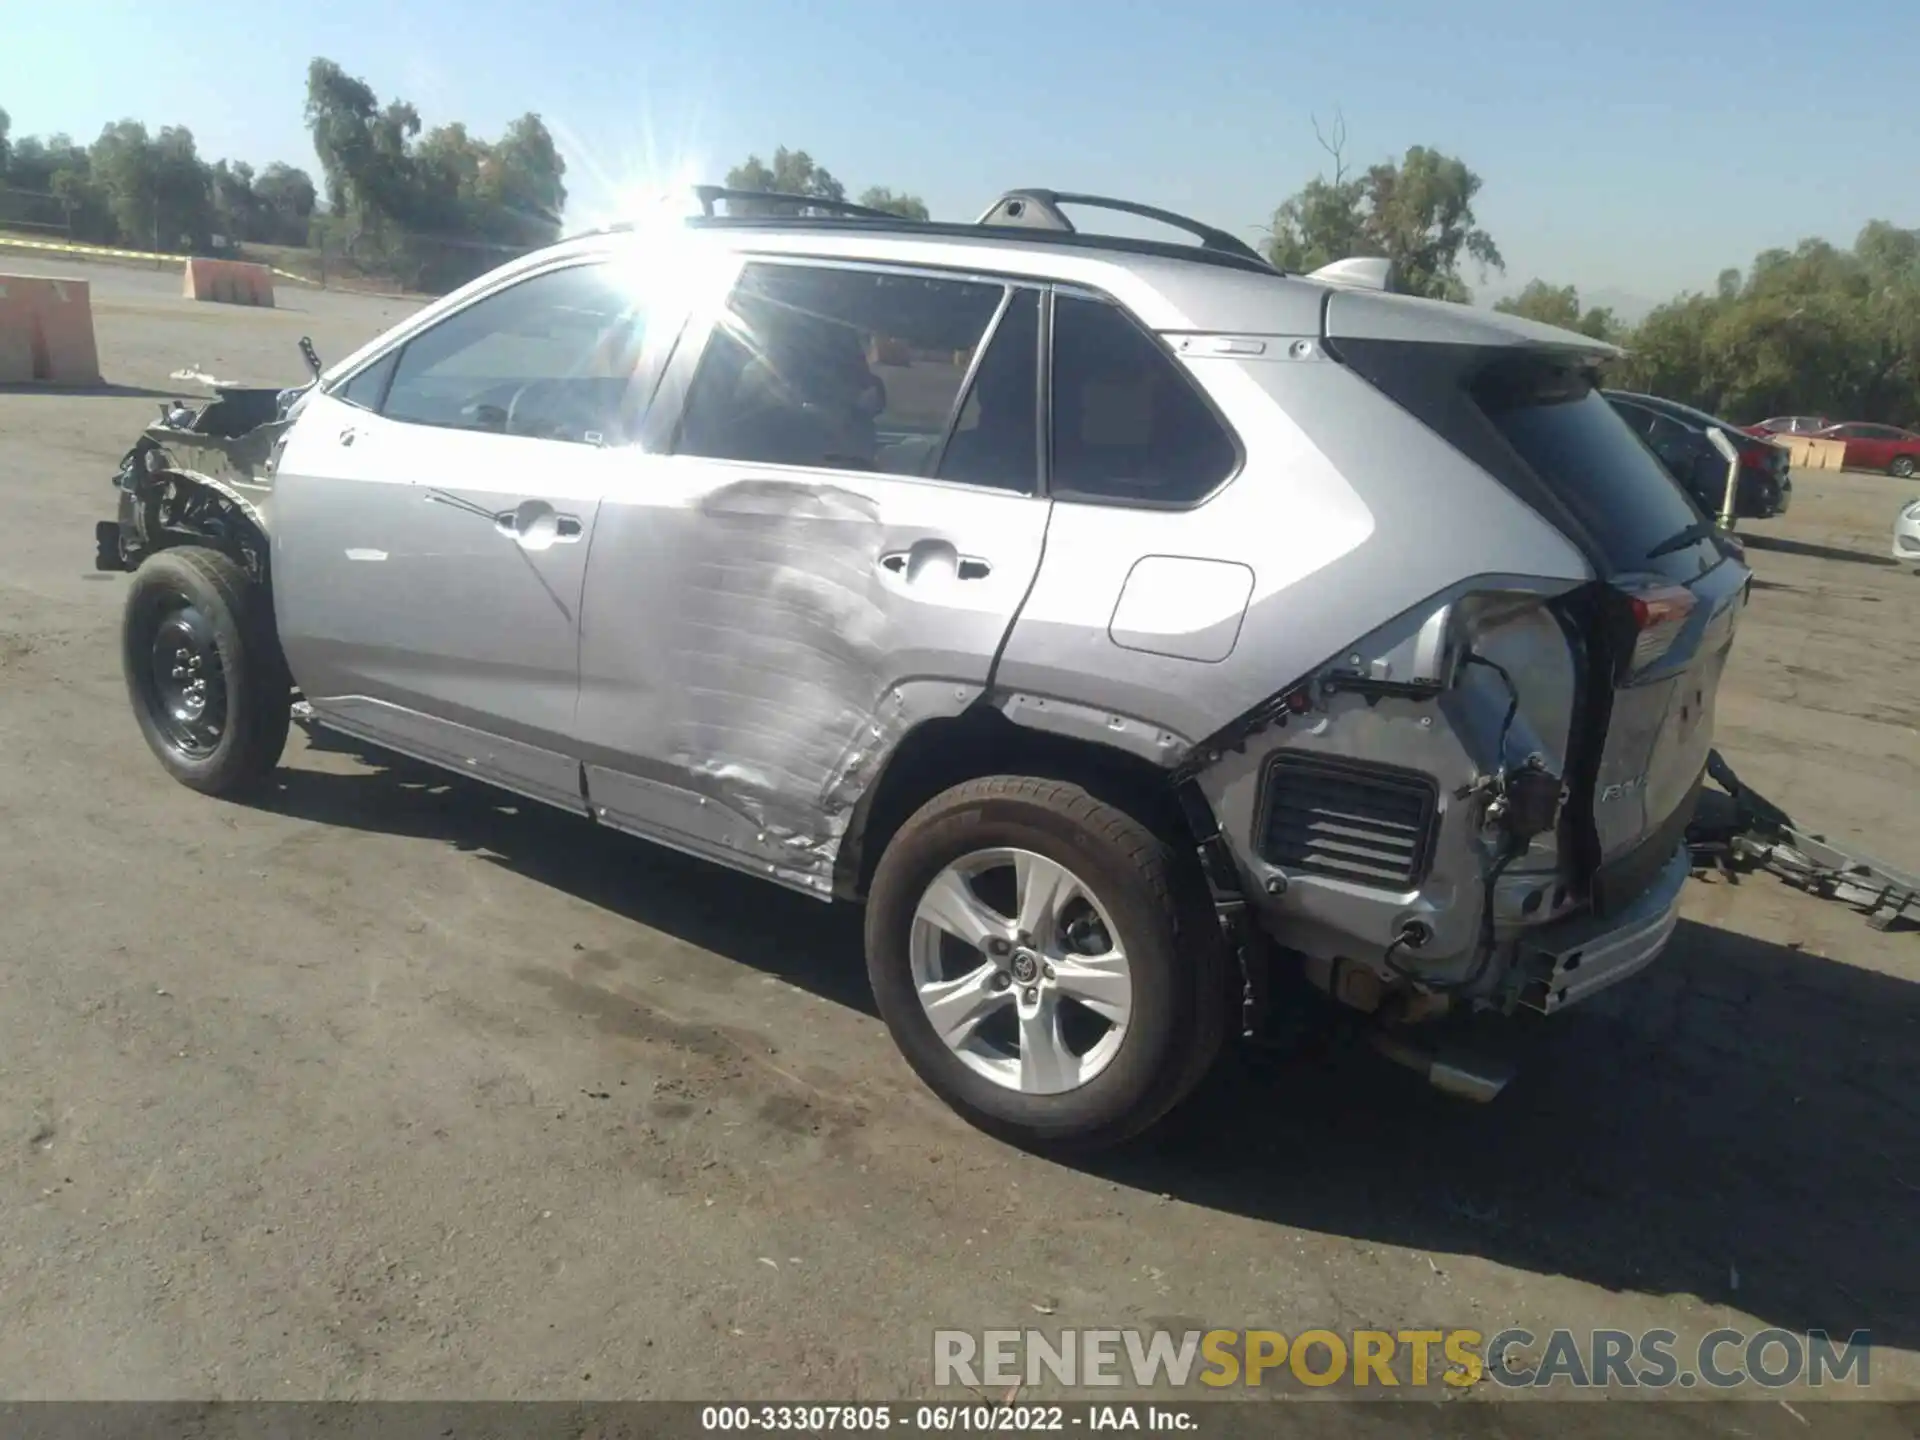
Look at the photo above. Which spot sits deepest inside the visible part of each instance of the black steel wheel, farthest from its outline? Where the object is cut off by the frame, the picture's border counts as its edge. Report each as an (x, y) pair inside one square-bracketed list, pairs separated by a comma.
[(203, 669), (184, 685)]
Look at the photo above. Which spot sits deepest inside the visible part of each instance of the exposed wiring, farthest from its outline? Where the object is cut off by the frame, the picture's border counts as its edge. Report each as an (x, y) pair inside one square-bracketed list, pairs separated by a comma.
[(1494, 872), (1509, 853), (1486, 947), (1393, 949), (1474, 657)]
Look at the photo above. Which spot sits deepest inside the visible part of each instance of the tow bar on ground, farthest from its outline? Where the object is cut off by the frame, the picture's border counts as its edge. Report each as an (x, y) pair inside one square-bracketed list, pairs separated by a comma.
[(1735, 829)]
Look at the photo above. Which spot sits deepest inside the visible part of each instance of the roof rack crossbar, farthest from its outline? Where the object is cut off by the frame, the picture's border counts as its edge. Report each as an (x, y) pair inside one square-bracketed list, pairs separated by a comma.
[(710, 195), (1036, 209)]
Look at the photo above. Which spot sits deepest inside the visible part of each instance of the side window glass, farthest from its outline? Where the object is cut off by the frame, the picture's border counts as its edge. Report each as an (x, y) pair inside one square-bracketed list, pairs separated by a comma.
[(996, 440), (1639, 421), (845, 369), (1672, 442), (551, 358), (1127, 424), (368, 388)]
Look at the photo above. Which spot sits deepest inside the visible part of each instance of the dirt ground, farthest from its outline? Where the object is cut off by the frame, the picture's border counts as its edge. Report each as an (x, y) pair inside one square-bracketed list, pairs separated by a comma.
[(382, 1089)]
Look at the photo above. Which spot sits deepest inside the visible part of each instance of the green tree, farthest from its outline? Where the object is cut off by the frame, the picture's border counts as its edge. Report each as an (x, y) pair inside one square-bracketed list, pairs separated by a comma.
[(340, 114), (126, 168), (1560, 305), (1417, 212), (236, 208), (879, 197), (793, 172), (286, 200), (522, 182), (1812, 329), (440, 207)]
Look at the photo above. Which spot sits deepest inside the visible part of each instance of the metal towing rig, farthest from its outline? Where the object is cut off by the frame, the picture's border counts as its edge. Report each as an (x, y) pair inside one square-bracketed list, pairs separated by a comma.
[(1735, 829)]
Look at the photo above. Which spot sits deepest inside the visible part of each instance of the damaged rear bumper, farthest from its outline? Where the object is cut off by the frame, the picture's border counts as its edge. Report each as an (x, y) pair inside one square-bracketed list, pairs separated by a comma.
[(1571, 960)]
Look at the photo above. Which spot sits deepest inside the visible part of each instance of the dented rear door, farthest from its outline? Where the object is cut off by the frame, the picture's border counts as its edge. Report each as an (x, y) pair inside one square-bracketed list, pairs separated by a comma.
[(758, 632)]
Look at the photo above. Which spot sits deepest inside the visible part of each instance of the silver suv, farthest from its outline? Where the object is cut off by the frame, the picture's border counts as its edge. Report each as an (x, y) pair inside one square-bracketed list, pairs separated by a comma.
[(1147, 637)]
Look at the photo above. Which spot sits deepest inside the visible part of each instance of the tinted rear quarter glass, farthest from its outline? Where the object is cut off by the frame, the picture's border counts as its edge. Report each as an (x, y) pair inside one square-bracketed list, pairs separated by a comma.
[(1128, 425)]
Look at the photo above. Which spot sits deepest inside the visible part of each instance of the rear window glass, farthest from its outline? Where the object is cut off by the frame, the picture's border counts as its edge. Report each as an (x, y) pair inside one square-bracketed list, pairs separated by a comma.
[(1598, 468)]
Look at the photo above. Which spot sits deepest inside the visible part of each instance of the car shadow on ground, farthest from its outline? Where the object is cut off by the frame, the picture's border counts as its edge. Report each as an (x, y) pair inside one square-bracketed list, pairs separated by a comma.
[(1741, 1123), (1780, 545), (776, 930), (98, 392)]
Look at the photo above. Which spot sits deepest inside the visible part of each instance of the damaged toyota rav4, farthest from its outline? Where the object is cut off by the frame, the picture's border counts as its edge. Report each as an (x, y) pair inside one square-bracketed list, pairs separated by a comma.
[(1145, 636)]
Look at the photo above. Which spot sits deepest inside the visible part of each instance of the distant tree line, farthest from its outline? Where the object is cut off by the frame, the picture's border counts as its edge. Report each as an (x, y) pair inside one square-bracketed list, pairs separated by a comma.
[(1813, 330), (133, 188), (794, 172), (441, 206), (1816, 329)]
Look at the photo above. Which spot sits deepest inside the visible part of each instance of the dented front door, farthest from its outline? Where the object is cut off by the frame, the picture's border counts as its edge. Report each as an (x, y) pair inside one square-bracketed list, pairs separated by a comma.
[(757, 635), (754, 641)]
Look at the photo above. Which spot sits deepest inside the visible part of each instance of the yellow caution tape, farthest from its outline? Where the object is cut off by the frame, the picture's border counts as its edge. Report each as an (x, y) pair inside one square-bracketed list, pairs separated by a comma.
[(68, 248)]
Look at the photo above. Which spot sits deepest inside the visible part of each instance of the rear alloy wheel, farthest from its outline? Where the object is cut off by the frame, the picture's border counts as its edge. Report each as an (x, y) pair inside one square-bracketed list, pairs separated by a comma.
[(1028, 954), (203, 671), (1902, 466), (1039, 995)]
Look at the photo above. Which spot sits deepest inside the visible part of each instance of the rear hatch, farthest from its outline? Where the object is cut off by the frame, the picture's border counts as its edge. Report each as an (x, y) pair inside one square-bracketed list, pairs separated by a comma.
[(1655, 627)]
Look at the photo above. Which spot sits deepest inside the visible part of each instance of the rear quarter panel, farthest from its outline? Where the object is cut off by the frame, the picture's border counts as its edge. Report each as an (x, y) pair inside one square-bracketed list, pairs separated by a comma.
[(1347, 511)]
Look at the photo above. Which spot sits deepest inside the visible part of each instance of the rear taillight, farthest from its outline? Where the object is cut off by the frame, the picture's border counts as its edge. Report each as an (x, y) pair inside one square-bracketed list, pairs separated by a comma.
[(1659, 614)]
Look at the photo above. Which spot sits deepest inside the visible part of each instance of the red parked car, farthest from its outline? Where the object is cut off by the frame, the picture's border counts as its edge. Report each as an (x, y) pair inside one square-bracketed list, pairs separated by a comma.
[(1877, 447)]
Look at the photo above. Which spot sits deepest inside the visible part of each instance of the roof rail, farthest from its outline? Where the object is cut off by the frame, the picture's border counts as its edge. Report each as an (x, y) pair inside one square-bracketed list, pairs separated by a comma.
[(1040, 210), (1036, 212), (709, 195)]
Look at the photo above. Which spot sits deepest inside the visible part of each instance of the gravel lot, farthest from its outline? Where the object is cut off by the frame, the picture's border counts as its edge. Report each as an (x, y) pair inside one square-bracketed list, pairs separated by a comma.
[(383, 1089)]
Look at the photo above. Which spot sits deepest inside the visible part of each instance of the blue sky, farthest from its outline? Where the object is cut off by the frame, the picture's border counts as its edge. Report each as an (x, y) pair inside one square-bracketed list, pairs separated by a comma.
[(1635, 148)]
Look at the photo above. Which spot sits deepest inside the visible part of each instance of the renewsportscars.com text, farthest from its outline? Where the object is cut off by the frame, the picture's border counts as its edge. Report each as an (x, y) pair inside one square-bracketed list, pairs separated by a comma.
[(1390, 1359)]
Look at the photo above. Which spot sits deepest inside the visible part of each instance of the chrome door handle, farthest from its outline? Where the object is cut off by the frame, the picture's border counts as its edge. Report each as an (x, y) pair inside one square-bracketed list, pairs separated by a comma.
[(532, 524), (529, 530), (906, 563)]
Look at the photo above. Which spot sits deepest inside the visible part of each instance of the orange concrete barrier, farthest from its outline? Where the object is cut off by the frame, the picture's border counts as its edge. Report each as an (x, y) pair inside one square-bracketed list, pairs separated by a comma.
[(46, 331), (230, 282), (1811, 454)]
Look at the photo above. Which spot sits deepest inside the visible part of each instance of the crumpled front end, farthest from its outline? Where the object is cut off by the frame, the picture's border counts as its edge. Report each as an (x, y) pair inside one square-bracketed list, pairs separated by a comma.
[(199, 474)]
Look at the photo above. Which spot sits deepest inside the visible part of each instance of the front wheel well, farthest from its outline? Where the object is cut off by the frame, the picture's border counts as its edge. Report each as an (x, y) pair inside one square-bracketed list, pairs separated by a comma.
[(170, 507), (166, 509), (939, 754)]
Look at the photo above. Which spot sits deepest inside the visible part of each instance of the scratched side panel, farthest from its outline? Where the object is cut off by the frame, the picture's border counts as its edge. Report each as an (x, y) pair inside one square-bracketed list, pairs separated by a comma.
[(747, 662)]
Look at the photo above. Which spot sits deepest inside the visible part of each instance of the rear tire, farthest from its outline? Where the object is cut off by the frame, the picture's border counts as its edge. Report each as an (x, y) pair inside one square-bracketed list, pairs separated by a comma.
[(203, 668), (1901, 466), (1116, 904)]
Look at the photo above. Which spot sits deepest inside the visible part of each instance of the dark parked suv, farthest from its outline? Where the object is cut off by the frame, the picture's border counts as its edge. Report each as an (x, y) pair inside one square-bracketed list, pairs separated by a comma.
[(1678, 435)]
